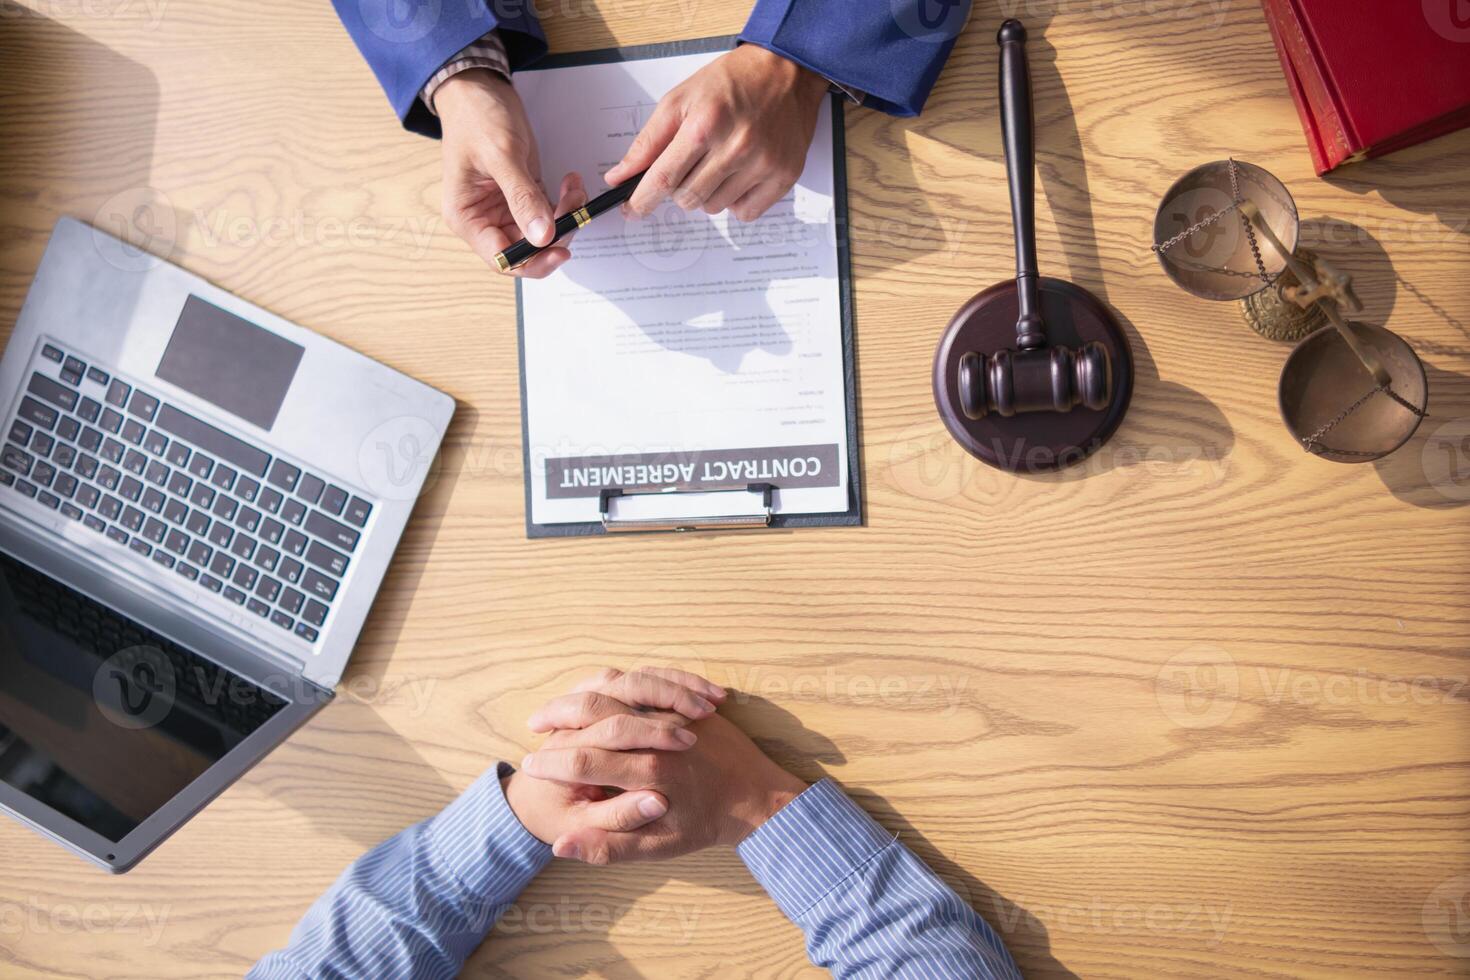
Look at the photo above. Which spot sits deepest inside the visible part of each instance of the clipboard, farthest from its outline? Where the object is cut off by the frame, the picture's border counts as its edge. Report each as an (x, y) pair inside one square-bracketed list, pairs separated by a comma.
[(761, 514)]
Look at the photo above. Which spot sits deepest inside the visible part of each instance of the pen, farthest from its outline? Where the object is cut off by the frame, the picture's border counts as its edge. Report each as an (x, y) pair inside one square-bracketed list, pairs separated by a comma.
[(523, 250)]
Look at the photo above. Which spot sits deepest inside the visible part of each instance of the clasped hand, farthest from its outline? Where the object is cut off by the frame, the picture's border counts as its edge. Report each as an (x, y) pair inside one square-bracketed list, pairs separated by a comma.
[(641, 766)]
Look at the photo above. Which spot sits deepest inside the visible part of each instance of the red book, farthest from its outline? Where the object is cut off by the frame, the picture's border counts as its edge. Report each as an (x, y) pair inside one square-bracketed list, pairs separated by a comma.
[(1373, 76)]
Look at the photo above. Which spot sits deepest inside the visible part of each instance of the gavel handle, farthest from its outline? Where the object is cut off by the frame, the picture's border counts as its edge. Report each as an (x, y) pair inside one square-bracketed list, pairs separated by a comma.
[(1020, 147)]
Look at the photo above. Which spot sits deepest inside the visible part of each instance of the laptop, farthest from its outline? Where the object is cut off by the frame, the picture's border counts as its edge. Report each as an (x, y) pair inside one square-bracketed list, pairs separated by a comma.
[(198, 502)]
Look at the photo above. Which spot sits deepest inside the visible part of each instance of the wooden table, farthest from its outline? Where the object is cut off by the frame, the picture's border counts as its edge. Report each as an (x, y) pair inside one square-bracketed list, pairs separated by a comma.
[(1197, 709)]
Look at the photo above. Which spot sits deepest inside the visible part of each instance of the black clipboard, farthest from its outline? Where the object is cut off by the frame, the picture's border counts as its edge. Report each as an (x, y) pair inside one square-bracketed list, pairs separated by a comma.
[(760, 492)]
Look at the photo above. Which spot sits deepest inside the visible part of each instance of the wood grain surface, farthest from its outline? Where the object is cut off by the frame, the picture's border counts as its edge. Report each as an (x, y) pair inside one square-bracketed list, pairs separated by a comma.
[(1196, 709)]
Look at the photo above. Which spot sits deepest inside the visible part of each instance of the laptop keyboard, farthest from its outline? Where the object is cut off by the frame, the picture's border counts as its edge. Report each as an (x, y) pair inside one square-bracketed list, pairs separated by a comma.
[(145, 475)]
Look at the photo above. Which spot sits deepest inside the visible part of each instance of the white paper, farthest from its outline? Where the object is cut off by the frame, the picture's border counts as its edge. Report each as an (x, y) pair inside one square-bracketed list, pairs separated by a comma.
[(680, 334)]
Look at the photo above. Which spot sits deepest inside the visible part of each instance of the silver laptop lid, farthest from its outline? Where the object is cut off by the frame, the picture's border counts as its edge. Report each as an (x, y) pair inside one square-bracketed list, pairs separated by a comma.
[(336, 446)]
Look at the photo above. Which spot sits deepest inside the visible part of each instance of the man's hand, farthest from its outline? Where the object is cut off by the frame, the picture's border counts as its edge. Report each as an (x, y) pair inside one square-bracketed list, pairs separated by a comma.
[(492, 173), (717, 791), (734, 135), (641, 712)]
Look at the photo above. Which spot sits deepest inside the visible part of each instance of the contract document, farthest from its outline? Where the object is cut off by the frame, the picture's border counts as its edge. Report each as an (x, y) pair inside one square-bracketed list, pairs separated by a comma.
[(683, 367)]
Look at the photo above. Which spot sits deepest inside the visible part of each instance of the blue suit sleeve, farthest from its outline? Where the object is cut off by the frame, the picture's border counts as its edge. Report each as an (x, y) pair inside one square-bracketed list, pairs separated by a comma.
[(868, 906), (419, 903), (406, 42), (893, 50)]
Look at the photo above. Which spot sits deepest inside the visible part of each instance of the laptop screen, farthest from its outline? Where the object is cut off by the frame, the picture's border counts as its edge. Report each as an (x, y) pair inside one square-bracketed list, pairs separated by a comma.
[(102, 719)]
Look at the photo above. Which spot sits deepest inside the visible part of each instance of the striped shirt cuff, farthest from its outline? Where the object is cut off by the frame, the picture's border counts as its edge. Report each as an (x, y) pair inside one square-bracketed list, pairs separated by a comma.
[(487, 52), (810, 846), (480, 841)]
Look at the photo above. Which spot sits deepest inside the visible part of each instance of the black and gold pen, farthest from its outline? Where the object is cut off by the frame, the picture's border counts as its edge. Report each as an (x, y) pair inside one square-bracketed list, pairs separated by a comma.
[(523, 250)]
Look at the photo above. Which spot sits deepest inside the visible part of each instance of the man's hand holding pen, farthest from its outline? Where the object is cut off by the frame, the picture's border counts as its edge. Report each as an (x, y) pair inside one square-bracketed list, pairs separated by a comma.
[(734, 136)]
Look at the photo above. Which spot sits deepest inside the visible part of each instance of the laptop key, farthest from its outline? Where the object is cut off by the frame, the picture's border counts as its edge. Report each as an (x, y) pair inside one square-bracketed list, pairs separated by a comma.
[(57, 394), (246, 489), (243, 547), (198, 522), (41, 416), (293, 511), (284, 475), (177, 454), (221, 534), (112, 451), (117, 534), (188, 571), (88, 495), (310, 488), (272, 530), (334, 500), (266, 557), (292, 601), (108, 477), (154, 530), (306, 632), (202, 496), (153, 501), (97, 375), (52, 353), (180, 484), (249, 519), (295, 543), (222, 564), (291, 570), (110, 507), (155, 442), (330, 531), (117, 393), (157, 473), (141, 547), (315, 613), (201, 466), (271, 499), (237, 452), (210, 582), (177, 542), (112, 420), (72, 511), (65, 485), (163, 558), (282, 620), (41, 444), (143, 406), (132, 519), (49, 499), (200, 553), (16, 459), (133, 431), (87, 466), (90, 440), (224, 507), (175, 510), (234, 595), (89, 409), (135, 462), (259, 608), (131, 489), (94, 523), (64, 455), (75, 365), (268, 588), (20, 433), (43, 473), (245, 576), (326, 559), (319, 585), (68, 428), (7, 478), (223, 477)]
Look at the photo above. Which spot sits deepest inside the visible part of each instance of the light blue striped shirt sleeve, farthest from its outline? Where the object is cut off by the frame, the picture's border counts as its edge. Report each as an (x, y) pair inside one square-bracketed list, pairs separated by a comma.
[(868, 906), (419, 903)]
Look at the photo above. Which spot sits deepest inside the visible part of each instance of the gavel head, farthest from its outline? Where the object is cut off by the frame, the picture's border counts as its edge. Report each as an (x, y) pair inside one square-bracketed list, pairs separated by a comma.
[(1047, 379)]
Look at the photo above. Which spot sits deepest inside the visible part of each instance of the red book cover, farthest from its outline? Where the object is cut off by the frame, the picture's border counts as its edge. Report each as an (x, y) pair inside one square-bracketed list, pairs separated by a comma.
[(1373, 76)]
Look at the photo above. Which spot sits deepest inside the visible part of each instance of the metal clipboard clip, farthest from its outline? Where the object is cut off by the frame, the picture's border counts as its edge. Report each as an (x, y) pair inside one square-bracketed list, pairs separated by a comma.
[(732, 522)]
